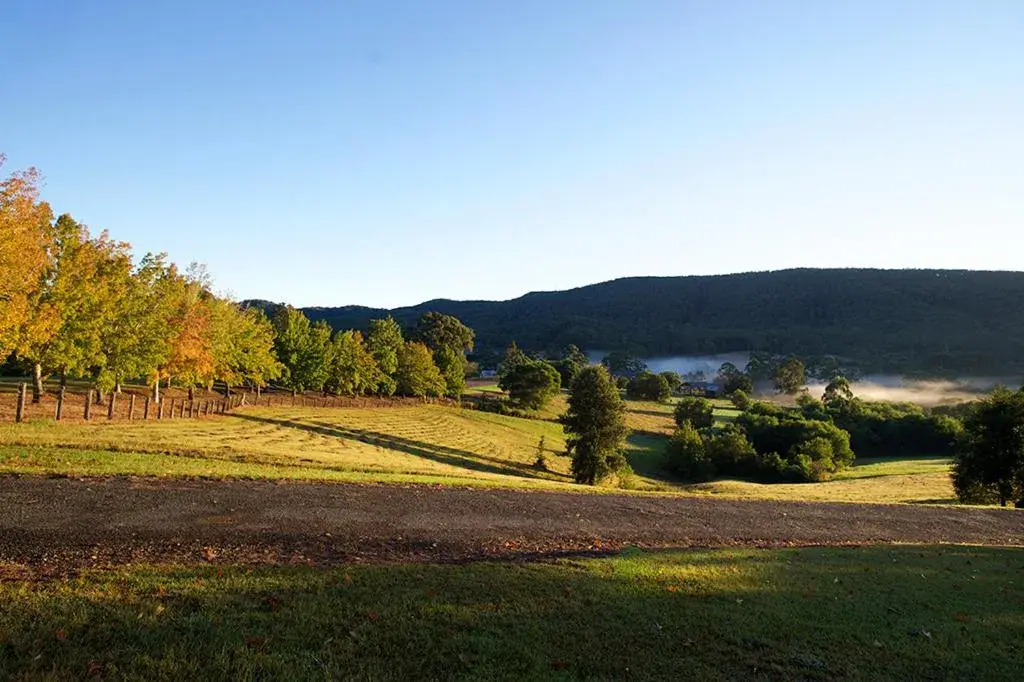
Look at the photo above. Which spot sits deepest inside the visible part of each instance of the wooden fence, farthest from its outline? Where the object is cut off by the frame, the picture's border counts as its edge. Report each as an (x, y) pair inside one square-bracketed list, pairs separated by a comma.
[(82, 403), (66, 405)]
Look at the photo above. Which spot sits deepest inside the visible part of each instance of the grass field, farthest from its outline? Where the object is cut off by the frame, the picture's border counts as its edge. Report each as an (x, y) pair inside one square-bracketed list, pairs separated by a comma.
[(868, 613), (420, 444)]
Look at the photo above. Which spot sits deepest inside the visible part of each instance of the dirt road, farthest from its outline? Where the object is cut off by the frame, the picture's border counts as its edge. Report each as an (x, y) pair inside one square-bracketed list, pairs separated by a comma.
[(60, 523)]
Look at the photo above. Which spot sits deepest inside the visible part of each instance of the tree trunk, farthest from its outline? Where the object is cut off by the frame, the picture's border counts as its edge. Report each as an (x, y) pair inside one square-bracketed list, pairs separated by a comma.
[(117, 388), (63, 378), (37, 383), (156, 389), (191, 393), (99, 396)]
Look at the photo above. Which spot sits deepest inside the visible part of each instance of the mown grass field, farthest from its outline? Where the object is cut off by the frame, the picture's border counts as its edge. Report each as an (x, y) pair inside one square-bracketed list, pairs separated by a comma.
[(946, 612), (410, 444)]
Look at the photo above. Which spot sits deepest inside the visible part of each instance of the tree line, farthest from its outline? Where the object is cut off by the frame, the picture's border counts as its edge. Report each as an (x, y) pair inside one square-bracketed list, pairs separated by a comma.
[(74, 304)]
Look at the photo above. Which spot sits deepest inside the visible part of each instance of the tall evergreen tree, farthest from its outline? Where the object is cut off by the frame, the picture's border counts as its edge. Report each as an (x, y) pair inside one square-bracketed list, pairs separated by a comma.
[(595, 424)]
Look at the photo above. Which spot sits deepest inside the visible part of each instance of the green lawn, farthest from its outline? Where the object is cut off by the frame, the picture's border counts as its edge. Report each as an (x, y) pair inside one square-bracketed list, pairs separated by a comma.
[(871, 613)]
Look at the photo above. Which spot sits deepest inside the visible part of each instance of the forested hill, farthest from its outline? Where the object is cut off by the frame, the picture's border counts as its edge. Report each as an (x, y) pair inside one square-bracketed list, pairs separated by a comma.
[(936, 321)]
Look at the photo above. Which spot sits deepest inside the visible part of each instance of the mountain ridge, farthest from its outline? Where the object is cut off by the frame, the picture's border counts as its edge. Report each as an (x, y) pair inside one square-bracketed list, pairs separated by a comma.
[(910, 320)]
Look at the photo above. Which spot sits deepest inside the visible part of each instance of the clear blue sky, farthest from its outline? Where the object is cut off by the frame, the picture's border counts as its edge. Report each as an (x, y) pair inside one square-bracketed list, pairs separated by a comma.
[(387, 152)]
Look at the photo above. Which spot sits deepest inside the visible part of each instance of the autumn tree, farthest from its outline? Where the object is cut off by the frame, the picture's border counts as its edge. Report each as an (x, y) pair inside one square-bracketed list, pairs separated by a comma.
[(78, 298), (595, 426), (24, 257)]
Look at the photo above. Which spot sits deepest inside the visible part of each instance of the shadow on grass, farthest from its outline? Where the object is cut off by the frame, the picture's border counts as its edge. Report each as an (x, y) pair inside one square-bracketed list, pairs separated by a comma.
[(720, 614), (645, 452), (464, 459)]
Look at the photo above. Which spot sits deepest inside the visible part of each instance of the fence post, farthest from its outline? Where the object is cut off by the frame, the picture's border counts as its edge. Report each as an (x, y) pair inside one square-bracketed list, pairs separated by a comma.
[(160, 408), (131, 407), (22, 393), (170, 409), (88, 404), (181, 409), (145, 408), (110, 405), (191, 406), (59, 412)]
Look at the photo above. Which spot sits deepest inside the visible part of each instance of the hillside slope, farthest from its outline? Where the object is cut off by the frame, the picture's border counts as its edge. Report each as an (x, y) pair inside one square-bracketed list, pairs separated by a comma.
[(935, 321)]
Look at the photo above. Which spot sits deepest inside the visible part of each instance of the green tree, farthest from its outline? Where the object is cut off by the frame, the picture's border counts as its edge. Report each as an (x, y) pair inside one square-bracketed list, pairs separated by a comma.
[(249, 356), (514, 358), (648, 386), (732, 379), (417, 376), (449, 340), (438, 331), (790, 377), (452, 365), (696, 411), (674, 381), (686, 456), (302, 349), (622, 362), (838, 392), (730, 451), (353, 370), (595, 425), (569, 365), (989, 464), (384, 341), (531, 384)]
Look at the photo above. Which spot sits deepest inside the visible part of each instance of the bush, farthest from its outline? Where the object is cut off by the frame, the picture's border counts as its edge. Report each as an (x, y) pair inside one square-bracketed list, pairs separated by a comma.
[(621, 382), (648, 386), (730, 451), (741, 400), (686, 455), (695, 411)]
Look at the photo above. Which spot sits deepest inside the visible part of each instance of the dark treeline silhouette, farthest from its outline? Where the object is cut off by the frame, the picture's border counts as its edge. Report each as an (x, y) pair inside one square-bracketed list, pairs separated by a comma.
[(934, 322)]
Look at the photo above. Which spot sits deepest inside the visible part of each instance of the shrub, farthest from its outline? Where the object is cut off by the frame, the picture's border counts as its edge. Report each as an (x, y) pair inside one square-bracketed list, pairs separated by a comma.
[(686, 455), (731, 452), (741, 400), (695, 411)]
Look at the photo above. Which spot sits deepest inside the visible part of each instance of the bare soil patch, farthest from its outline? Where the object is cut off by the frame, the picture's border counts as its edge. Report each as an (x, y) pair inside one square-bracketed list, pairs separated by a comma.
[(57, 524)]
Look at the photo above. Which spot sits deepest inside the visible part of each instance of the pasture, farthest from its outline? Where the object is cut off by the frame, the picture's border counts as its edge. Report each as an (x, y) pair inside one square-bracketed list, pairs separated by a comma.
[(409, 443)]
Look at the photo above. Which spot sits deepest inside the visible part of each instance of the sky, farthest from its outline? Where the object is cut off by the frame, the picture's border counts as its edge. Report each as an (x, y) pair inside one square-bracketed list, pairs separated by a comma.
[(388, 152)]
